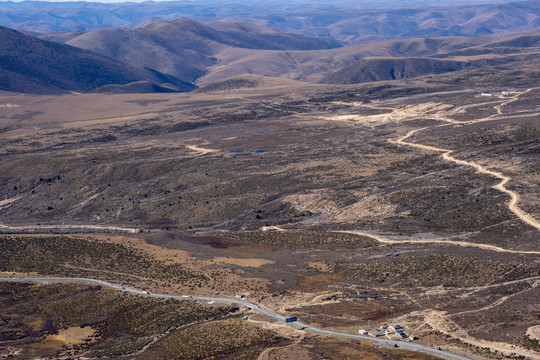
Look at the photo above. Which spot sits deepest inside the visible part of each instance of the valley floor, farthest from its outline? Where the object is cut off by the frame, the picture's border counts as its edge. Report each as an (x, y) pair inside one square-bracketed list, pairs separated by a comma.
[(351, 207)]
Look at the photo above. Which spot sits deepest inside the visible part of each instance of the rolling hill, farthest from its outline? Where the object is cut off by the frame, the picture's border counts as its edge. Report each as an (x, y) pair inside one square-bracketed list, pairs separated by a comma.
[(380, 60), (347, 21), (31, 65), (185, 48), (313, 66), (206, 53), (41, 16), (490, 51), (354, 26), (251, 81), (380, 69)]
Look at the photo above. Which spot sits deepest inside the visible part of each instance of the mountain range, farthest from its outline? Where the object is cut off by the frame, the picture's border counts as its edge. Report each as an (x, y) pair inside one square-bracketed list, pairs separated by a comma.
[(181, 54), (347, 21), (361, 26), (32, 65), (185, 48), (42, 17), (162, 56)]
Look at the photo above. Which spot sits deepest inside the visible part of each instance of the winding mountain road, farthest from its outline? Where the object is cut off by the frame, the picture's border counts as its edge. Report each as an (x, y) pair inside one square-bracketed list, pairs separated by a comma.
[(514, 197), (380, 342)]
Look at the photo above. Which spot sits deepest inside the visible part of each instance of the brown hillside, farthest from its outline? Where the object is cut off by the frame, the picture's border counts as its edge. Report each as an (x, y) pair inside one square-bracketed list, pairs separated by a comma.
[(367, 70), (28, 64), (185, 48)]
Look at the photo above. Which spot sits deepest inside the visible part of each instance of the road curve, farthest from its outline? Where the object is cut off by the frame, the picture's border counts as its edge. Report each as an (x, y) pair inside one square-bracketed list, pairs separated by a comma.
[(402, 344)]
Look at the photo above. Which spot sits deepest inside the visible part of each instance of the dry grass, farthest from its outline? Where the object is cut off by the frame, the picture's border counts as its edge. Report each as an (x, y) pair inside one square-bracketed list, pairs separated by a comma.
[(71, 336), (328, 166), (81, 257), (156, 252), (316, 283), (214, 340), (241, 262), (327, 348), (90, 320)]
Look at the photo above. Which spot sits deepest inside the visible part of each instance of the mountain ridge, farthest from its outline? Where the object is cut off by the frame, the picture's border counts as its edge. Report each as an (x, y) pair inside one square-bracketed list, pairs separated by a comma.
[(32, 65), (185, 48), (350, 22)]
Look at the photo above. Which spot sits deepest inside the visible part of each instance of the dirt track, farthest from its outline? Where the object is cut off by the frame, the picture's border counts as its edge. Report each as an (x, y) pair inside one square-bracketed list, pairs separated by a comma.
[(438, 320), (514, 197), (437, 241), (200, 150)]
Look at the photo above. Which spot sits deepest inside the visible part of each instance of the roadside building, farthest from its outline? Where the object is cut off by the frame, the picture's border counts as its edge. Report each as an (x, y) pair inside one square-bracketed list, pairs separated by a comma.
[(376, 333), (401, 333)]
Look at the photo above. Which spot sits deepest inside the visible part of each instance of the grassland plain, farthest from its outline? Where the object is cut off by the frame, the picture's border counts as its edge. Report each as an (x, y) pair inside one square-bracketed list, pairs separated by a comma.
[(305, 201)]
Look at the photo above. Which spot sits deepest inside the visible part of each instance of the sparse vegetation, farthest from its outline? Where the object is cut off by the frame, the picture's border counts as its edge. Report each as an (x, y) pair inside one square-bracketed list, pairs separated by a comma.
[(441, 270), (304, 239), (122, 323), (251, 193), (215, 340), (77, 257)]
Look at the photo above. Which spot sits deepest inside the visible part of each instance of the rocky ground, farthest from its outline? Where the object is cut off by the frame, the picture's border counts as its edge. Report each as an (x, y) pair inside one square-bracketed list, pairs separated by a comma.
[(348, 207)]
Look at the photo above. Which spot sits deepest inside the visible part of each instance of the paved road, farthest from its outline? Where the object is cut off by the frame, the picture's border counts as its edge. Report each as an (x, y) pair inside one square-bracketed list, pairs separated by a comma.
[(402, 344)]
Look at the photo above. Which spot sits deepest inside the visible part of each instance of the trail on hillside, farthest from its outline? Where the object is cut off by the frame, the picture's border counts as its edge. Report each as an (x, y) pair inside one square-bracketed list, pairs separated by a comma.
[(437, 241), (200, 150), (439, 321), (447, 155), (534, 285), (475, 289), (7, 202), (514, 197), (498, 108)]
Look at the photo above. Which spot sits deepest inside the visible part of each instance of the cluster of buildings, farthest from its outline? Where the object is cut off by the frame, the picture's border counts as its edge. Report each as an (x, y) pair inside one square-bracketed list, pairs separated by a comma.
[(502, 93), (386, 330)]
